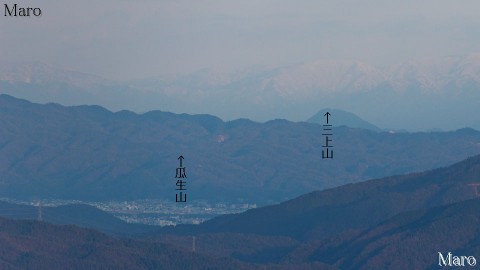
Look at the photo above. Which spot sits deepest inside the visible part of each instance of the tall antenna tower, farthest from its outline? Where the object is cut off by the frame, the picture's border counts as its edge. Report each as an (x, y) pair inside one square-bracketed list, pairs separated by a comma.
[(193, 243), (39, 211)]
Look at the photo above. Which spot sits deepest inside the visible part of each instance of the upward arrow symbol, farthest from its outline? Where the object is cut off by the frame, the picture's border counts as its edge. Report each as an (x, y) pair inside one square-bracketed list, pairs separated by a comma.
[(181, 159), (327, 114)]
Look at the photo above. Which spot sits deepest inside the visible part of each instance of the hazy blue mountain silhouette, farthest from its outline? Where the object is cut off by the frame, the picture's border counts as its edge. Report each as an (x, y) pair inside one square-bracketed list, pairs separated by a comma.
[(342, 118), (417, 95)]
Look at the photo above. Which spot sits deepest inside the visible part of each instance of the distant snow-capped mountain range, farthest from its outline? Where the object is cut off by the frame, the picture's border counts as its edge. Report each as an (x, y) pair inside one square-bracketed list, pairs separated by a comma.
[(419, 94)]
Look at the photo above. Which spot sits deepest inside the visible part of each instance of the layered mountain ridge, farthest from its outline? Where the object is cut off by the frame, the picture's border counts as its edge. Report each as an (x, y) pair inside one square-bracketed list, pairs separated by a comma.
[(90, 153), (416, 95)]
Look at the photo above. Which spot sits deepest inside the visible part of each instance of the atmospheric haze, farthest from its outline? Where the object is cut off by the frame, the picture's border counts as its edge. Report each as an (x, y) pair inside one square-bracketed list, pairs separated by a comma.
[(138, 39), (296, 48)]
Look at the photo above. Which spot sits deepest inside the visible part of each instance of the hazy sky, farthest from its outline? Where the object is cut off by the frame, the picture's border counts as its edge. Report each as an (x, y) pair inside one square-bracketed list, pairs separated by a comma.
[(122, 39)]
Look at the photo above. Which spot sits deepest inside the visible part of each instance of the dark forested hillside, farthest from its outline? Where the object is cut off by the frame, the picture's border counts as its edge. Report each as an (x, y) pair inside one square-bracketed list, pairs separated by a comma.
[(410, 240), (87, 152), (39, 245), (75, 214)]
